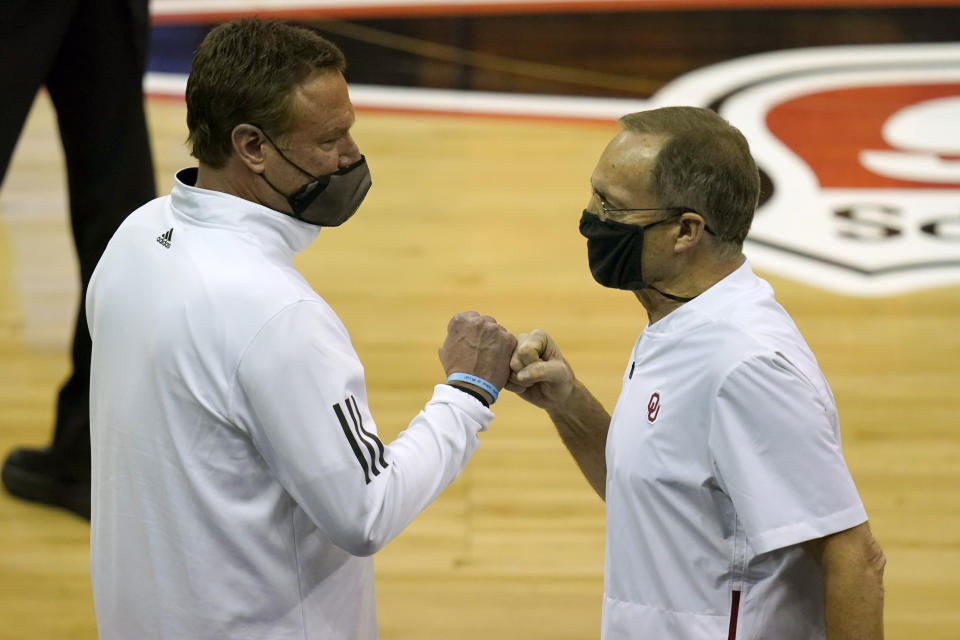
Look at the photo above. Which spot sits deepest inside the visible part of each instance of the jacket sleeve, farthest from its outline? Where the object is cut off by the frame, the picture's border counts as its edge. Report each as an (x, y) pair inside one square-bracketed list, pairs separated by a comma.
[(301, 397)]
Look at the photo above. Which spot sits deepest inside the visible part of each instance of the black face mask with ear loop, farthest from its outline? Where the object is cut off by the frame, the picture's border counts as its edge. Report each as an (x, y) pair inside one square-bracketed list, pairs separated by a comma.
[(328, 200), (615, 252)]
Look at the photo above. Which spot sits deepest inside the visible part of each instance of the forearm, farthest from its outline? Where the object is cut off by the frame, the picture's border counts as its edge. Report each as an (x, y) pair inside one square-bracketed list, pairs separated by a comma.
[(854, 604), (424, 459), (360, 497), (582, 423), (853, 566)]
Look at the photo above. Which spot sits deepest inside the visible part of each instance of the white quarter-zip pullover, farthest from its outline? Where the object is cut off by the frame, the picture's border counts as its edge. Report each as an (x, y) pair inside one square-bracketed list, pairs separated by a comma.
[(238, 481)]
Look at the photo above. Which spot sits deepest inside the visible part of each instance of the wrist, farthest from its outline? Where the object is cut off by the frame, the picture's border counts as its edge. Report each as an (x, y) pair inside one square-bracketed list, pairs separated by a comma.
[(475, 383), (481, 397), (562, 403)]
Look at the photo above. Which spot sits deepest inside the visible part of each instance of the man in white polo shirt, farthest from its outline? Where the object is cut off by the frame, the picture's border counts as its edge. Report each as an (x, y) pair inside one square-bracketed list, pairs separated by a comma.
[(730, 509), (238, 480)]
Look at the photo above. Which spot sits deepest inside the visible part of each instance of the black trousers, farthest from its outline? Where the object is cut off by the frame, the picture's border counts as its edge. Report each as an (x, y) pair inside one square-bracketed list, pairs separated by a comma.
[(91, 56)]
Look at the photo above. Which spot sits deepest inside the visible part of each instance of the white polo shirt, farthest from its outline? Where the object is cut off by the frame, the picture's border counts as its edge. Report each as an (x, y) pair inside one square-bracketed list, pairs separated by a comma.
[(238, 480), (723, 455)]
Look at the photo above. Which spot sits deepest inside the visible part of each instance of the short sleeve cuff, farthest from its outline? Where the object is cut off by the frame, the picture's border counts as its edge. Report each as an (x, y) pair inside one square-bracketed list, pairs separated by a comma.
[(808, 530)]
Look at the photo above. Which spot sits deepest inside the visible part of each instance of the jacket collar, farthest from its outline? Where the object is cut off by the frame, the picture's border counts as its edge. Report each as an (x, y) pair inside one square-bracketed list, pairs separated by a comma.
[(712, 303), (269, 228)]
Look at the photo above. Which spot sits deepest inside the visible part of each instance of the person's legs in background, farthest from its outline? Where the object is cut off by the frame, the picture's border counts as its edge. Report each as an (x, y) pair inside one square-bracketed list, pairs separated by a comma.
[(95, 81)]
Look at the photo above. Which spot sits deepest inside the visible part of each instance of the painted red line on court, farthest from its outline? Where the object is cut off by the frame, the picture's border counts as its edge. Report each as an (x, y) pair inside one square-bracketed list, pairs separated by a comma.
[(415, 10), (546, 117), (486, 115)]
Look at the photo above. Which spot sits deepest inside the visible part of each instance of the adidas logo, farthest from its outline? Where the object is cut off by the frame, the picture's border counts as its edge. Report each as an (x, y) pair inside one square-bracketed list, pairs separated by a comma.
[(166, 238)]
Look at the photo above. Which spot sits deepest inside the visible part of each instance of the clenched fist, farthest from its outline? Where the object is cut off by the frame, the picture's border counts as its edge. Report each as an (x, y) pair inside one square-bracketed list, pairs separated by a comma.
[(541, 375), (477, 345)]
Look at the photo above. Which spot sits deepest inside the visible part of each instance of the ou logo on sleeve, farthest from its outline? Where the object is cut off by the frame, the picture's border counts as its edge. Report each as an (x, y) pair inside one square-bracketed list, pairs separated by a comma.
[(653, 407)]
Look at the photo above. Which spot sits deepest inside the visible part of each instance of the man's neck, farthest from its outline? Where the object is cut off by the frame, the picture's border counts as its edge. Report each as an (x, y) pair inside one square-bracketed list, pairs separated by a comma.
[(214, 179), (240, 183), (688, 285)]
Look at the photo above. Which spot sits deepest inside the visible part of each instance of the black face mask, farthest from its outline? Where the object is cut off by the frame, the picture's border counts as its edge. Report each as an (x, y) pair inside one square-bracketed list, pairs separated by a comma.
[(329, 200), (615, 252)]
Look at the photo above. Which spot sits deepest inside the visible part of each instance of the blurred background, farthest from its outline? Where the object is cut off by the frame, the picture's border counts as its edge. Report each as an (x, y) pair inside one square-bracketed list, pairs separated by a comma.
[(482, 122)]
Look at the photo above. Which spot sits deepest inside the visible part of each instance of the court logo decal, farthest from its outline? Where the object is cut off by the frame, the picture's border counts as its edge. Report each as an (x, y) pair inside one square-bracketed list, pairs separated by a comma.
[(860, 153)]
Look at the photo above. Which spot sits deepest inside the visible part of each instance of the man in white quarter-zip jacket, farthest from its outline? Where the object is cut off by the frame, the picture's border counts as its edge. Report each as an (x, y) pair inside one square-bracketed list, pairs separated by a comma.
[(238, 482), (730, 509)]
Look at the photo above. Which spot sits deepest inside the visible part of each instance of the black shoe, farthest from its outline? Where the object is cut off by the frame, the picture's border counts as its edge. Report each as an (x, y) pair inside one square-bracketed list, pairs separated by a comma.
[(40, 476)]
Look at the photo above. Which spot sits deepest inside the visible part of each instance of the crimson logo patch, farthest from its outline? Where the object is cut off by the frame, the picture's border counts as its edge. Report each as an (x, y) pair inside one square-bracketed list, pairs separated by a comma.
[(860, 152), (653, 407)]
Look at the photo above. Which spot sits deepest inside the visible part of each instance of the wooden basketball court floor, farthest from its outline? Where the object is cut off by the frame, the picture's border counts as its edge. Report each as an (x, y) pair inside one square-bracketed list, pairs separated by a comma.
[(481, 213)]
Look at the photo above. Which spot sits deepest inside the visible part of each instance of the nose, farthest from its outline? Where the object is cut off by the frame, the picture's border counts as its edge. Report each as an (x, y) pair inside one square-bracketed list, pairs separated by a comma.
[(593, 206), (349, 151)]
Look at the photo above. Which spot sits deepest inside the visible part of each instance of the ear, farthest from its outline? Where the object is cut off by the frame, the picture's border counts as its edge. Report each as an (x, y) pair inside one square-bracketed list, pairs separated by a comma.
[(691, 232), (248, 141)]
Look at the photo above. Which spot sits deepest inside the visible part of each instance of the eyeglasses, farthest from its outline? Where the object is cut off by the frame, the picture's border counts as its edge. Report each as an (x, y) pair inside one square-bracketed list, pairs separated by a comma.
[(607, 209)]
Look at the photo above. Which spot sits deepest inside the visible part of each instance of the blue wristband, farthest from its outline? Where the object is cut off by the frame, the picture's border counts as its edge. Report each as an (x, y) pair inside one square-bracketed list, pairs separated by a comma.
[(475, 381)]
